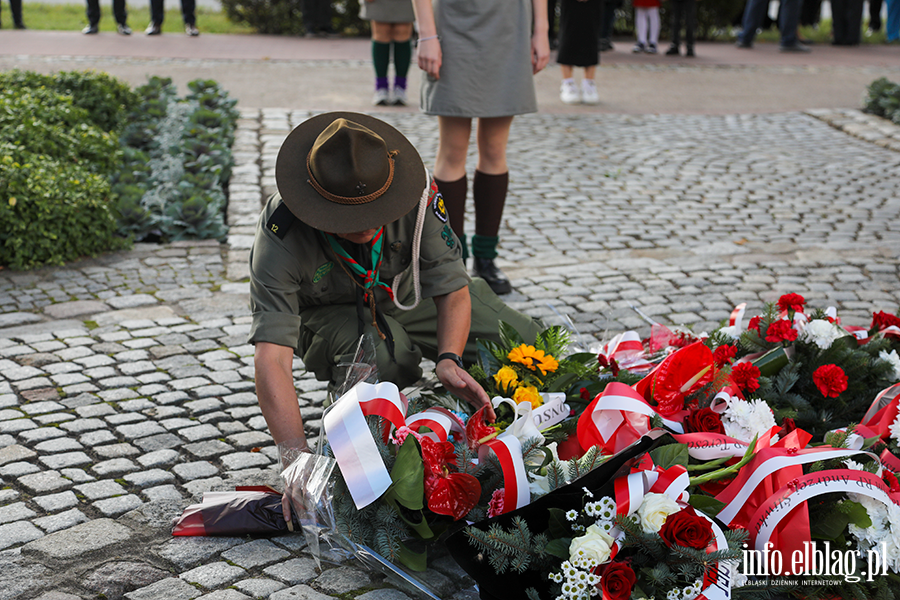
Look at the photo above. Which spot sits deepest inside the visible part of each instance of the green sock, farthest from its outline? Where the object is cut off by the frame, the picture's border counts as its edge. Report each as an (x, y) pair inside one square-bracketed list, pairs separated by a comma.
[(402, 57), (484, 246), (381, 58)]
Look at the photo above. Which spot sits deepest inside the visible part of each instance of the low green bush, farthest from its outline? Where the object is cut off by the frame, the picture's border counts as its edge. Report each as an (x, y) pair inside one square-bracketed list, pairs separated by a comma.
[(883, 99), (285, 17), (106, 99), (51, 211)]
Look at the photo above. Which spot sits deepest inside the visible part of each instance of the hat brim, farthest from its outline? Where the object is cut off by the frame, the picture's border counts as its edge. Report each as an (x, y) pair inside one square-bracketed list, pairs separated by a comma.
[(306, 204)]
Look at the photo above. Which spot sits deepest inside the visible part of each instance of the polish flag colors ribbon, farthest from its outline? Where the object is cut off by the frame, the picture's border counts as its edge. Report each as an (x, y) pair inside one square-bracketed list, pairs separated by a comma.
[(883, 411), (627, 350), (508, 449), (439, 420), (617, 418)]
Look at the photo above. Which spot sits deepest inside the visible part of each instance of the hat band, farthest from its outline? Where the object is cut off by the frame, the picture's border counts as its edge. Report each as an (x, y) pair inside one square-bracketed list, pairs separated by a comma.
[(359, 199)]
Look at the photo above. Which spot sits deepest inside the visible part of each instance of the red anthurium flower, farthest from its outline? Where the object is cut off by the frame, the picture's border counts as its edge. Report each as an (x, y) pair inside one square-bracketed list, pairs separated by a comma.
[(447, 493), (794, 302), (831, 380), (723, 354), (781, 331), (478, 431), (678, 376), (746, 376)]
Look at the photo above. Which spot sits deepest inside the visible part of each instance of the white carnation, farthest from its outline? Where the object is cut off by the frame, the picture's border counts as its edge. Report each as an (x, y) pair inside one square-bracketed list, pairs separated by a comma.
[(820, 332), (895, 429), (745, 420), (894, 360)]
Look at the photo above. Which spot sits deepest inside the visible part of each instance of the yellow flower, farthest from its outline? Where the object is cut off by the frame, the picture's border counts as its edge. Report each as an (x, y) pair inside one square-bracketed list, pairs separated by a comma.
[(506, 378), (533, 359), (12, 201), (528, 393)]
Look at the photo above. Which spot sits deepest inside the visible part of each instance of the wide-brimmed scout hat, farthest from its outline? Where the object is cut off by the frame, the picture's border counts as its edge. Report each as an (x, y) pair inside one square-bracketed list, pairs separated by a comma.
[(344, 172)]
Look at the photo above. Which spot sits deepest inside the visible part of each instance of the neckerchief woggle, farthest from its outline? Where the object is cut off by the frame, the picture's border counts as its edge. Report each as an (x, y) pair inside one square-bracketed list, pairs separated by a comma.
[(371, 278)]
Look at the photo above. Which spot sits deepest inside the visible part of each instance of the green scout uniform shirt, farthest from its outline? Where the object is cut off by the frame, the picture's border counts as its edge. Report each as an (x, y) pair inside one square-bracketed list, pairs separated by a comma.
[(294, 270)]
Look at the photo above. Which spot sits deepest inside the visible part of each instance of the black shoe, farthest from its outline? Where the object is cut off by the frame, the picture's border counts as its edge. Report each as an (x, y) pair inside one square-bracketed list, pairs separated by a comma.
[(689, 52), (20, 26), (153, 29), (487, 270), (90, 30), (673, 51), (744, 45)]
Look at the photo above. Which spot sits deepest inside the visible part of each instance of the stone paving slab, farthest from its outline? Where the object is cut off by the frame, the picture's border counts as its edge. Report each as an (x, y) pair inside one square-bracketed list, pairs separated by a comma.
[(112, 422)]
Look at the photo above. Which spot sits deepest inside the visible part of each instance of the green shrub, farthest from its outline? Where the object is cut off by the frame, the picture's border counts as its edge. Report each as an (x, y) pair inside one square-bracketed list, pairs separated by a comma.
[(285, 17), (883, 99), (47, 123), (51, 212), (106, 99)]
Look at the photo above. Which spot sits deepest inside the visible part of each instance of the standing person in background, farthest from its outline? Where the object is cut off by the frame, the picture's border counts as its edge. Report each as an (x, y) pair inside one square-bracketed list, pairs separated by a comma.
[(479, 59), (392, 22), (874, 16), (158, 14), (93, 17), (607, 20), (15, 7), (683, 10), (552, 30), (317, 17), (892, 26), (646, 25), (579, 30), (755, 13)]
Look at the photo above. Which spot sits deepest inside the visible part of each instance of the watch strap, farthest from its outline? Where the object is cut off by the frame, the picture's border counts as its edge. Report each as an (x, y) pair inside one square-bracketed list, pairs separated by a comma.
[(454, 357)]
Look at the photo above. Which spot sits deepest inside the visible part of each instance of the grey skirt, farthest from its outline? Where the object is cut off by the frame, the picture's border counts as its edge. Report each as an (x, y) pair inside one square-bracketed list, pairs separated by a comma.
[(486, 60), (387, 11)]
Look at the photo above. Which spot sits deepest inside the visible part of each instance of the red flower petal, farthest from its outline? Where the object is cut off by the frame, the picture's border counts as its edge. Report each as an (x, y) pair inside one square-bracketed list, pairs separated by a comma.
[(477, 429), (679, 375), (454, 495)]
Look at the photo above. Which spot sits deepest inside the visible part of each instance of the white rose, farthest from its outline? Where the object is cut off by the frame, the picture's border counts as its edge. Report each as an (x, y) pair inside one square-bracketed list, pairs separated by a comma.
[(594, 546), (654, 510)]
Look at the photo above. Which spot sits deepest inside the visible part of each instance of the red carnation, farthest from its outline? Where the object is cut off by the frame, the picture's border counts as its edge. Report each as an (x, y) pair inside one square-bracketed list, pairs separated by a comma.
[(791, 302), (781, 331), (746, 376), (891, 481), (831, 380), (754, 323), (723, 354), (882, 320), (704, 420), (787, 426), (686, 528), (617, 580)]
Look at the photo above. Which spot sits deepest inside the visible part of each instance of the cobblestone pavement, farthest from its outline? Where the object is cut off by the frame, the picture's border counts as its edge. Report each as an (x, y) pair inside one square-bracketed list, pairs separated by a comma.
[(126, 383)]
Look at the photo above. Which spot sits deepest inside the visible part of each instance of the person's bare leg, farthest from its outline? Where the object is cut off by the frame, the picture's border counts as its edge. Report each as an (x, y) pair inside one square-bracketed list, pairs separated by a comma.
[(450, 171)]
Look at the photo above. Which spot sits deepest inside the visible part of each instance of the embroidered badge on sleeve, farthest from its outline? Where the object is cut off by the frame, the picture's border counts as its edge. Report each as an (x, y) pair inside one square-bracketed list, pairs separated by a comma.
[(437, 204)]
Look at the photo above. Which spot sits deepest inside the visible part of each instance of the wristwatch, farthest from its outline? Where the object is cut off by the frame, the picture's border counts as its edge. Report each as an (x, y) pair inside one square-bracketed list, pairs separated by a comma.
[(454, 357)]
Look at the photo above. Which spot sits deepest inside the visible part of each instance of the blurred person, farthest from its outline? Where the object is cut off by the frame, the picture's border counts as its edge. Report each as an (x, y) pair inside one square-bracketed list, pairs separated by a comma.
[(93, 16), (15, 7), (392, 24), (317, 17), (646, 25), (874, 16), (846, 22), (607, 20), (579, 30), (683, 11), (892, 25), (158, 14), (755, 13), (479, 60)]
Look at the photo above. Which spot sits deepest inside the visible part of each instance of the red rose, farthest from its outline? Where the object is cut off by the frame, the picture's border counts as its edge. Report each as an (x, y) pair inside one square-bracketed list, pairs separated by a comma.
[(791, 302), (781, 331), (686, 528), (745, 376), (882, 320), (617, 580), (831, 380), (754, 323), (723, 354), (705, 420)]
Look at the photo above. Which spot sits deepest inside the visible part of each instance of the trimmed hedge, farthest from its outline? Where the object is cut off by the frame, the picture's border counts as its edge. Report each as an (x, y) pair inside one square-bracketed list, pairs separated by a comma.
[(883, 99), (285, 17)]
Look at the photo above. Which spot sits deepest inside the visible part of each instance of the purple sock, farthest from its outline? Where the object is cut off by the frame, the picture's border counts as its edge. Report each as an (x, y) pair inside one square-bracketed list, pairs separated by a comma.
[(400, 82), (381, 83)]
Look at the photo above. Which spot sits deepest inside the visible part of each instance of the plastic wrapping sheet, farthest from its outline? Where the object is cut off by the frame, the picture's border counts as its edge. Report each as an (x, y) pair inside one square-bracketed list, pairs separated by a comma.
[(245, 511)]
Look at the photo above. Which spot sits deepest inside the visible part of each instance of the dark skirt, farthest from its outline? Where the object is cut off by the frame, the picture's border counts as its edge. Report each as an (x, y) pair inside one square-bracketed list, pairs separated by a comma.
[(579, 26)]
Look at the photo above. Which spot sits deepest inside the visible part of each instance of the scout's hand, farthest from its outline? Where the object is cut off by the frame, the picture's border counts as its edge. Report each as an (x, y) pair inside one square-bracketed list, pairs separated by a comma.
[(540, 51), (428, 53), (459, 383)]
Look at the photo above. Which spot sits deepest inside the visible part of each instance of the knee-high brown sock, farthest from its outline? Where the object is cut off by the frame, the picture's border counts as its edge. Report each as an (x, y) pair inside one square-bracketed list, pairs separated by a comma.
[(454, 194), (489, 194)]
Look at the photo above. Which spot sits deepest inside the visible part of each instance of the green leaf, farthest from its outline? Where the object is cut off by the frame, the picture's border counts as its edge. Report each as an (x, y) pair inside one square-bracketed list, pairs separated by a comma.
[(673, 454), (706, 504), (857, 513), (509, 337), (558, 525), (562, 383), (408, 476), (770, 363), (414, 560), (559, 547)]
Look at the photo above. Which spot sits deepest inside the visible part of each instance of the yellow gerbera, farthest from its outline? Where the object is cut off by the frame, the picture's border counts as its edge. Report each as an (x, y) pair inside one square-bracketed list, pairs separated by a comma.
[(506, 378), (528, 393), (533, 359)]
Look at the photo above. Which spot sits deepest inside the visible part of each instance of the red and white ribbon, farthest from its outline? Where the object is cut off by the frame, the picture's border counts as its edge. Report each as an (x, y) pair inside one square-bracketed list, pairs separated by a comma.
[(439, 420), (737, 316), (351, 440), (883, 411), (627, 350), (515, 481)]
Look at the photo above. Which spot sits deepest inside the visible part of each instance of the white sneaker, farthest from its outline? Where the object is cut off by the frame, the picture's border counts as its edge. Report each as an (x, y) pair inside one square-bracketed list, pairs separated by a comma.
[(382, 97), (569, 92), (589, 93), (399, 97)]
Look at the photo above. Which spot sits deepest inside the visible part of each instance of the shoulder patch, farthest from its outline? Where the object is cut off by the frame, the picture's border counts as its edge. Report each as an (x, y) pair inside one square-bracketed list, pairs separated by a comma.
[(437, 206), (281, 221), (447, 234), (322, 272)]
